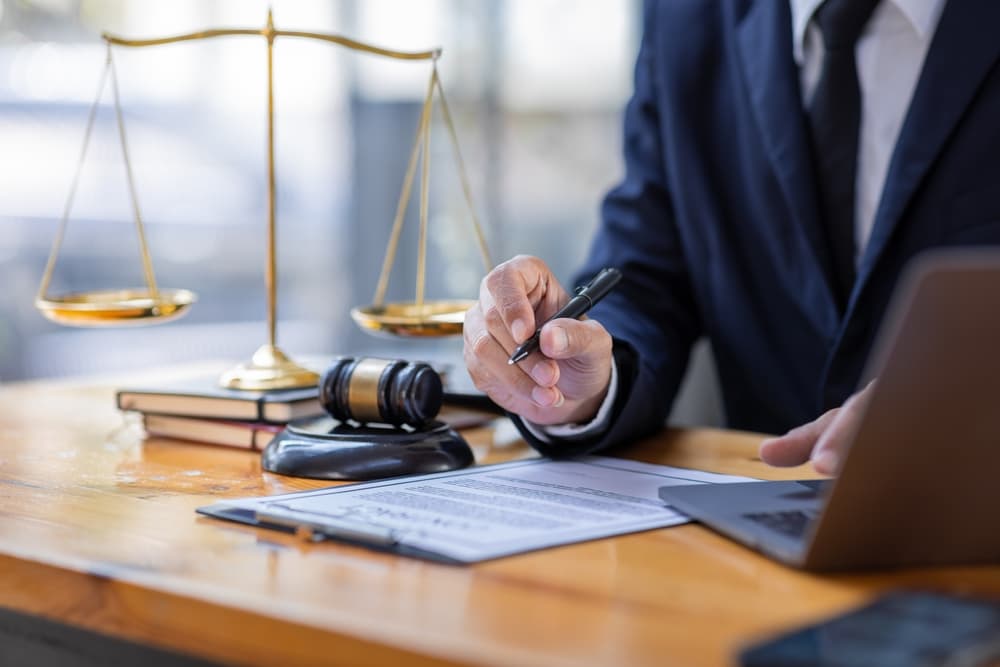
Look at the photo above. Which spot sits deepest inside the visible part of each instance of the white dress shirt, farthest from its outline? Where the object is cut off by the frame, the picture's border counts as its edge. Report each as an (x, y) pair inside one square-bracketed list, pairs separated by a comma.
[(890, 56)]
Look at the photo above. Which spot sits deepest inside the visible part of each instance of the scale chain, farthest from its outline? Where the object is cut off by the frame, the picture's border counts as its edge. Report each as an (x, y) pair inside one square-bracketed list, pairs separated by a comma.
[(147, 262), (422, 143), (109, 68), (404, 199)]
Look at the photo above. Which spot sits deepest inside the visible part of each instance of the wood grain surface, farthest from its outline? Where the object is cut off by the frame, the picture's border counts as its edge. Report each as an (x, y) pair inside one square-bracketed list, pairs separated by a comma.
[(98, 530)]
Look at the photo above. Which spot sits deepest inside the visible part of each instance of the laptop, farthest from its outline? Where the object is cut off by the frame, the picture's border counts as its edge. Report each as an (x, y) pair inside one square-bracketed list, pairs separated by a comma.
[(920, 481)]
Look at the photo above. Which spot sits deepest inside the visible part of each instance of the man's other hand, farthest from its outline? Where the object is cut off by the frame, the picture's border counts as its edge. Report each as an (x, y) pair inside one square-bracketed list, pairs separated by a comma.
[(821, 441), (566, 381)]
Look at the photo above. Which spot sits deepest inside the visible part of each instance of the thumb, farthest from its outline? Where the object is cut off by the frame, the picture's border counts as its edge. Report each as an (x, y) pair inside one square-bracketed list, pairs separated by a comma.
[(575, 339)]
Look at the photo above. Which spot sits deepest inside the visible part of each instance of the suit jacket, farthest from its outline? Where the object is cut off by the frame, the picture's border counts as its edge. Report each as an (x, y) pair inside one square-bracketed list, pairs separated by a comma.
[(716, 224)]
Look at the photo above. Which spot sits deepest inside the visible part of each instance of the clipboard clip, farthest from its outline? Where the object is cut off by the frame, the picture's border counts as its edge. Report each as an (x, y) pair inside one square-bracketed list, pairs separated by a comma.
[(309, 527)]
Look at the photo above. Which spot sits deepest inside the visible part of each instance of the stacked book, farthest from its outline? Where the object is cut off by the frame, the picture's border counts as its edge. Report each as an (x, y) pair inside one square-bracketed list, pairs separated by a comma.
[(199, 411)]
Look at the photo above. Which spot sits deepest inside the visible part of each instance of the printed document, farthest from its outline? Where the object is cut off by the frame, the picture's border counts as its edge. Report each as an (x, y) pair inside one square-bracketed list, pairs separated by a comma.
[(482, 512)]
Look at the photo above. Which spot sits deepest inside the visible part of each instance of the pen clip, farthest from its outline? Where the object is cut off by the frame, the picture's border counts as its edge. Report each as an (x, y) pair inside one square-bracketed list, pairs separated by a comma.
[(590, 283), (596, 279), (317, 530)]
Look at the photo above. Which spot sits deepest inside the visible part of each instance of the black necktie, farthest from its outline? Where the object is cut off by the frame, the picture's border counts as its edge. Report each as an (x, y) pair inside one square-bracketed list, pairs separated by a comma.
[(834, 120)]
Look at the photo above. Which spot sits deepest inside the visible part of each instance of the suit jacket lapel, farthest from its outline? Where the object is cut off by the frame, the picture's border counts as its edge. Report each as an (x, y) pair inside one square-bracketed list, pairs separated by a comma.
[(764, 40), (964, 49)]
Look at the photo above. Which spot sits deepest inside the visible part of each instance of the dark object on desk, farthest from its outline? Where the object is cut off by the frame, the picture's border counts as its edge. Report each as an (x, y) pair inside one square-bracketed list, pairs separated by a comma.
[(584, 299), (381, 391), (323, 448), (918, 484), (903, 629), (472, 399), (460, 391), (382, 425), (202, 397)]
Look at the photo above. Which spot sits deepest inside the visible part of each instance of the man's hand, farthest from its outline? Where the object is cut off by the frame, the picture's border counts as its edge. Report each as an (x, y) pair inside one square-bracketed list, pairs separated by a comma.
[(563, 383), (821, 441)]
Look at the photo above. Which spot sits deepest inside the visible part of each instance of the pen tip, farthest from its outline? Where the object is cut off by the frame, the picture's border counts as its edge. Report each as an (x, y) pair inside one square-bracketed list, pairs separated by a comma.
[(511, 362)]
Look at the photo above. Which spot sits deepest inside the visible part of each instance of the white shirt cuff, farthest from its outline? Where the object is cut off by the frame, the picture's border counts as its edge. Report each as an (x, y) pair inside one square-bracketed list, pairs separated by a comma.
[(577, 431)]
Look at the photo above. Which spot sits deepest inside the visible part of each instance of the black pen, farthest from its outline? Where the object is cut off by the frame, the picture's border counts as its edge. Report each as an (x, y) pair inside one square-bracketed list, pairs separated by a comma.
[(575, 308)]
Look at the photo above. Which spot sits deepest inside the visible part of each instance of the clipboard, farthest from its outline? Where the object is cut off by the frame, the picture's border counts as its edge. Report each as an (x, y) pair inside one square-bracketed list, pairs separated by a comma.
[(477, 514), (308, 528)]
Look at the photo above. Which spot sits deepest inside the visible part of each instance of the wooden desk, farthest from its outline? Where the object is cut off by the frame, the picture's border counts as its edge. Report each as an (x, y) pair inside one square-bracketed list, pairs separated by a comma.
[(98, 531)]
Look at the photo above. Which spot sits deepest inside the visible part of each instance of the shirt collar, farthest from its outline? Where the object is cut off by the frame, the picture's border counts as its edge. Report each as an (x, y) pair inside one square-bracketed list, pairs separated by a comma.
[(923, 15)]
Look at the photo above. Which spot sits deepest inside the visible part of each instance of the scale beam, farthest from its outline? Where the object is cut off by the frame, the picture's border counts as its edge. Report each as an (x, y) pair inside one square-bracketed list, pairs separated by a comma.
[(264, 32)]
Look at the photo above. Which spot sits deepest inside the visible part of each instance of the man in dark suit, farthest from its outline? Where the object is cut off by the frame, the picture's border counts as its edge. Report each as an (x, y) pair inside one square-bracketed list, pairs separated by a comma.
[(784, 160)]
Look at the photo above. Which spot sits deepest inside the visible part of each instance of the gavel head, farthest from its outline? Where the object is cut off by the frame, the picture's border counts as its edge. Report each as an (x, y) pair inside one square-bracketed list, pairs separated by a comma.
[(383, 391)]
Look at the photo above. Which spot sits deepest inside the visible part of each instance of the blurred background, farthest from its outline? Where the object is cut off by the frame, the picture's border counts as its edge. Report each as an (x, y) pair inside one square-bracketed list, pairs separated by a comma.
[(536, 87)]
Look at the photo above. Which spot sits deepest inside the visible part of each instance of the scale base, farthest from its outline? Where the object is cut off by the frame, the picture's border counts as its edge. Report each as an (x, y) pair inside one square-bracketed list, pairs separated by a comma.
[(324, 448), (269, 369)]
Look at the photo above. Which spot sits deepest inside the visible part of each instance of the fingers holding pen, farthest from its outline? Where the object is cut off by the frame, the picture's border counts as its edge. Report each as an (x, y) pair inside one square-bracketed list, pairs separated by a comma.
[(582, 351), (543, 371), (566, 378), (522, 292), (569, 339), (521, 388), (497, 312)]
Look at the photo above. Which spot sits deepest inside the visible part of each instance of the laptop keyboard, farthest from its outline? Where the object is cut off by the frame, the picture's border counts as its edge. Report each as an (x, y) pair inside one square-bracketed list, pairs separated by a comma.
[(790, 522)]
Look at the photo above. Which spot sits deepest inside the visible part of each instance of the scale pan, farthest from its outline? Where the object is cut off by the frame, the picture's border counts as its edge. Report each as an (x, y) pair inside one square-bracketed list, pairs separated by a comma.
[(107, 308), (427, 320)]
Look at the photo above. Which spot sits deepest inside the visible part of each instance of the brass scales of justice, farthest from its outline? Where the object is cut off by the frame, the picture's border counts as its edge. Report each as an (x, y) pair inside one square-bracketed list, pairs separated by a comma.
[(270, 368)]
